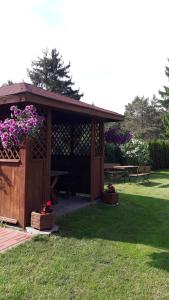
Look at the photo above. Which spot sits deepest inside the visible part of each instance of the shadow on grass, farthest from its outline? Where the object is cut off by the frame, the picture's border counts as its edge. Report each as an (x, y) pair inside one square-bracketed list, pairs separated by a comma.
[(154, 176), (137, 220), (164, 186), (149, 183), (161, 175), (160, 261), (139, 182)]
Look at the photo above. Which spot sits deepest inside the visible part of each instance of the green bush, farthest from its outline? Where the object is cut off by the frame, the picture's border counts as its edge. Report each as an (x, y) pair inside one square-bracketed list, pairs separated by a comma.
[(113, 154), (136, 152)]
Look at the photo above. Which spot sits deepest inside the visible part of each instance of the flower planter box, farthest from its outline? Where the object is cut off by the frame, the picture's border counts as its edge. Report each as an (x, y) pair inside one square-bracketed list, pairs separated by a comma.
[(110, 198), (42, 221)]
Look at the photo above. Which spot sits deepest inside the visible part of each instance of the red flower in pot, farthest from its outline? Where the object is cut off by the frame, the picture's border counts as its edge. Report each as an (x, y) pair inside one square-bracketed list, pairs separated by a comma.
[(110, 196), (46, 207), (45, 219)]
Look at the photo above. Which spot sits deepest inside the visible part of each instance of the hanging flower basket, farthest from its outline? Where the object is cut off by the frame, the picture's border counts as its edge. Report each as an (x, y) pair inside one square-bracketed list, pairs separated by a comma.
[(23, 123), (117, 136)]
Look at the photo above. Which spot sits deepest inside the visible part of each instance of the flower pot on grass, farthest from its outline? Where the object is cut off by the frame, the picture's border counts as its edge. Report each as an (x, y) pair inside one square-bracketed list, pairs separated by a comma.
[(42, 222), (110, 196), (45, 219)]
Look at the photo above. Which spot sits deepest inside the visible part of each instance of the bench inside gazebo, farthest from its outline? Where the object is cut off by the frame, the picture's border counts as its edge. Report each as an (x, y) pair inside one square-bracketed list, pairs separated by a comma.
[(68, 154)]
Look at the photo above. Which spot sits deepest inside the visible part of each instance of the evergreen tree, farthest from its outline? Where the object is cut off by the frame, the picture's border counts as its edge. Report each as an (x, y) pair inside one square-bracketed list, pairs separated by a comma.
[(165, 103), (50, 73), (155, 125), (166, 124), (143, 118), (9, 82), (165, 93)]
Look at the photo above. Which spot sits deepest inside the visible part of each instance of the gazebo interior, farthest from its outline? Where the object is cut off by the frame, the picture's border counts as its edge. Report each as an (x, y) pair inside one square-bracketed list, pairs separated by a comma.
[(71, 152)]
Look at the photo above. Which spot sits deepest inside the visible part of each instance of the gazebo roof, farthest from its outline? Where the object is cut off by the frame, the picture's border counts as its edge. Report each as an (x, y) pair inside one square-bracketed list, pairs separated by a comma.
[(22, 92)]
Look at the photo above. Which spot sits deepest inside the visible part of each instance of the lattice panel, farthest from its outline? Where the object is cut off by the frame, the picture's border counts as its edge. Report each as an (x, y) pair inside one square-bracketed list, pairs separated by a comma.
[(82, 139), (71, 139), (39, 145), (9, 153), (98, 139), (61, 139)]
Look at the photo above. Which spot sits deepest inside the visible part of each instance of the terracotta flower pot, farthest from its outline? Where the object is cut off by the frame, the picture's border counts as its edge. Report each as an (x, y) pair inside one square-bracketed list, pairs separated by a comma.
[(42, 222), (110, 198)]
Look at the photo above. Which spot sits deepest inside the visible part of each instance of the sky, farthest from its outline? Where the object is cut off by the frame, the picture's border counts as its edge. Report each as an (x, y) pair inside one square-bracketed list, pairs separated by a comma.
[(118, 49)]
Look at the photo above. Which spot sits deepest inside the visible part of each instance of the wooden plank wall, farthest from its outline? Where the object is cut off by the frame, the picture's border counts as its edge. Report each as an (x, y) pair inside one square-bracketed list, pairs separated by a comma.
[(37, 177), (12, 189), (34, 196)]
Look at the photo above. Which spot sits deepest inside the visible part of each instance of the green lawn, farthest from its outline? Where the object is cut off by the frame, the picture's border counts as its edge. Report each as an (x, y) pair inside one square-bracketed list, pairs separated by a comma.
[(102, 252)]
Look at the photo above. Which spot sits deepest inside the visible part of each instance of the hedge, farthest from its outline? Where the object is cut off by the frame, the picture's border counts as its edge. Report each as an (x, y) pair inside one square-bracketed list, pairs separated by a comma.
[(159, 154)]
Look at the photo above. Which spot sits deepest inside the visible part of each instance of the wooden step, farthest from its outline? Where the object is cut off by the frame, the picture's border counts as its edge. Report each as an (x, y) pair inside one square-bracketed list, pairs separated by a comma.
[(8, 220)]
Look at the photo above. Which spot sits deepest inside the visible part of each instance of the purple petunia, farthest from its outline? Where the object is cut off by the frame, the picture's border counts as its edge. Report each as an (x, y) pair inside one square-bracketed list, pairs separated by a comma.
[(116, 136), (22, 123)]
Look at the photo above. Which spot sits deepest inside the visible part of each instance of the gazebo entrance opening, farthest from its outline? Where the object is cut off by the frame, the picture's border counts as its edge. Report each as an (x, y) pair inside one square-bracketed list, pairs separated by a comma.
[(70, 154)]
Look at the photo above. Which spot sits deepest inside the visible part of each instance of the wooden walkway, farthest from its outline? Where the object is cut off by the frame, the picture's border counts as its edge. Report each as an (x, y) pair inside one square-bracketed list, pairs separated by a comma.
[(11, 238)]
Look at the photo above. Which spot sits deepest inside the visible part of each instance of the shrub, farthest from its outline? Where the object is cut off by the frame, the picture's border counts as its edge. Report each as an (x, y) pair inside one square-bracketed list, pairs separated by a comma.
[(136, 152), (114, 137), (113, 154)]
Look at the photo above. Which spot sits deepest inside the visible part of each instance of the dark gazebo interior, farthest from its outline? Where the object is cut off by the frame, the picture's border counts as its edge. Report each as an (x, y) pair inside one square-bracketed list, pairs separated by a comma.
[(71, 151)]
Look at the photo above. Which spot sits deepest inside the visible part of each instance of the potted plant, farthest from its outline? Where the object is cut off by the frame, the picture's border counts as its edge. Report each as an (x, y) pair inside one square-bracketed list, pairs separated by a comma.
[(110, 196), (45, 219)]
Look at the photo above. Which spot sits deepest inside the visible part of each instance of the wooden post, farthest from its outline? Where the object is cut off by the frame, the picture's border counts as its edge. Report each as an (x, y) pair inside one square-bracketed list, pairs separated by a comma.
[(72, 141), (48, 155), (102, 157), (38, 164), (92, 187), (21, 181), (97, 159)]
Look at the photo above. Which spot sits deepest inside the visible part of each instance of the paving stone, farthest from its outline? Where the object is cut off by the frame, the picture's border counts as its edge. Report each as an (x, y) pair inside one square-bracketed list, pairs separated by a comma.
[(34, 231), (11, 238)]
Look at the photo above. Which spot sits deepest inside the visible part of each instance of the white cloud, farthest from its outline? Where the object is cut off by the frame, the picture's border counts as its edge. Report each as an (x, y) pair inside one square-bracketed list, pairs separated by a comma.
[(117, 48)]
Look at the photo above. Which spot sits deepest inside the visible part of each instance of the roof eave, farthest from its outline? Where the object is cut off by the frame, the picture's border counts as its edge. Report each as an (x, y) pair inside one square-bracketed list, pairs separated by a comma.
[(91, 111), (70, 107)]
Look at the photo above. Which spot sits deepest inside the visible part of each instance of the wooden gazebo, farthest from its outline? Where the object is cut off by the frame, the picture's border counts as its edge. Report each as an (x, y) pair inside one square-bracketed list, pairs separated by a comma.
[(72, 139)]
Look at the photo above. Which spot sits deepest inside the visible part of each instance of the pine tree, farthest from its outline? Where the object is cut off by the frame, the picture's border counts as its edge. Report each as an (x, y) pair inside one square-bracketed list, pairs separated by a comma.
[(9, 82), (143, 118), (165, 103), (50, 73), (165, 93)]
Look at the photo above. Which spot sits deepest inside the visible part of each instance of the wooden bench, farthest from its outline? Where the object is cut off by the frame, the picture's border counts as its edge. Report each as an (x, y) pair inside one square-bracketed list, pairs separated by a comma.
[(8, 220), (142, 172), (109, 169), (109, 166)]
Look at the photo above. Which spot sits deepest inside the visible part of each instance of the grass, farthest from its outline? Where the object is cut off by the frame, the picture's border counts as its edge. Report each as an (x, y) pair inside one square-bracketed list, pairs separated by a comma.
[(101, 252)]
